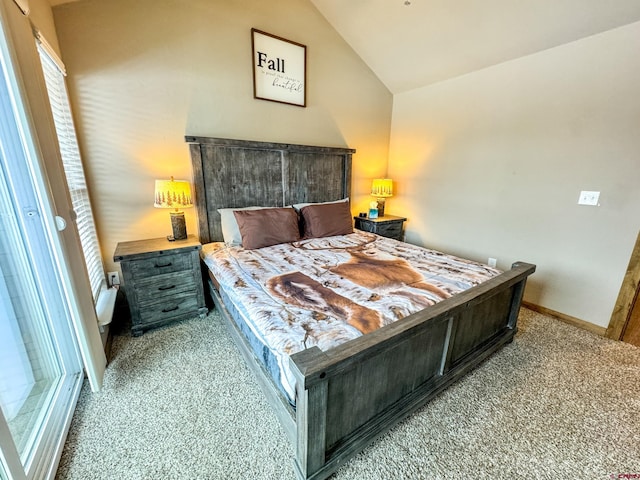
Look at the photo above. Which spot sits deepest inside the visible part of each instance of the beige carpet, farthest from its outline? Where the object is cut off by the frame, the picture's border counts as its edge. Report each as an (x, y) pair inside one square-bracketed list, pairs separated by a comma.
[(178, 403)]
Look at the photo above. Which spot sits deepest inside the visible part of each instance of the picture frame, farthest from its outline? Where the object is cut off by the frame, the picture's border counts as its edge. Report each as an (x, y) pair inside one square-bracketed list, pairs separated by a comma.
[(279, 69)]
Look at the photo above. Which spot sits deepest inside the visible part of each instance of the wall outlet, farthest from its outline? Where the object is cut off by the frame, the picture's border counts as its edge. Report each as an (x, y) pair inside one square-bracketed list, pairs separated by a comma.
[(588, 198), (113, 278), (492, 262)]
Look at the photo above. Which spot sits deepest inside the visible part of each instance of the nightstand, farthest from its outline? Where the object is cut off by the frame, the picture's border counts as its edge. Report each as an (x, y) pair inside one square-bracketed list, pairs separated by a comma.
[(162, 281), (388, 226)]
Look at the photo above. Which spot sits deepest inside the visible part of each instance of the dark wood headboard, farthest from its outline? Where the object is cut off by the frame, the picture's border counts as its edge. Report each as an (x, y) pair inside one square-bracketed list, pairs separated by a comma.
[(240, 173)]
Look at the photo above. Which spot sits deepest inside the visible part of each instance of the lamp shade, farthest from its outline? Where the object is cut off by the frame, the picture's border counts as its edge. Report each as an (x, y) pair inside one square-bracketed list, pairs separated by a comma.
[(382, 187), (173, 194)]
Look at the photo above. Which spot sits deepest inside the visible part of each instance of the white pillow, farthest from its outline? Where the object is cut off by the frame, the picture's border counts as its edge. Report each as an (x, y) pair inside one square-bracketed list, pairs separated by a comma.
[(299, 206), (230, 230)]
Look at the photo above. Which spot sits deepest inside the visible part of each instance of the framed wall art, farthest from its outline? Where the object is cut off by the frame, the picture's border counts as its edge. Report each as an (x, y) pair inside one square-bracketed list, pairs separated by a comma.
[(279, 69)]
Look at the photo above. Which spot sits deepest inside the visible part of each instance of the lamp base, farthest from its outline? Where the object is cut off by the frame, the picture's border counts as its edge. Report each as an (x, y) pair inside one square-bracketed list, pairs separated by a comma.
[(381, 207), (178, 225)]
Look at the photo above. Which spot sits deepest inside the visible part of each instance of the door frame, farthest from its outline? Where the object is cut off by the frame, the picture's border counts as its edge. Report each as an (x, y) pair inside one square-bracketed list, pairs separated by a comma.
[(58, 298), (627, 296)]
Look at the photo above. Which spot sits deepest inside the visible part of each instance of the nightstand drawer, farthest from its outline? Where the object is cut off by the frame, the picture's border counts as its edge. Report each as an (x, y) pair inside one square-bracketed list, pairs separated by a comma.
[(152, 289), (178, 305), (365, 226), (160, 264), (391, 230)]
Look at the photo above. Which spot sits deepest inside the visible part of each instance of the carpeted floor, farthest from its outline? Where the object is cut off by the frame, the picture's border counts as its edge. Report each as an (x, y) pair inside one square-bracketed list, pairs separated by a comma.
[(179, 403)]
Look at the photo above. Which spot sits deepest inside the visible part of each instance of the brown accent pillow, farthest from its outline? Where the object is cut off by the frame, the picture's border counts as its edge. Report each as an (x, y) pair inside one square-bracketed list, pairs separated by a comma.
[(326, 220), (268, 226)]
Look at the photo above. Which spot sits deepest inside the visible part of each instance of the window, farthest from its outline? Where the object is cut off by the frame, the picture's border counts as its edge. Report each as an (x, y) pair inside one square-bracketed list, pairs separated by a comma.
[(54, 74), (40, 364)]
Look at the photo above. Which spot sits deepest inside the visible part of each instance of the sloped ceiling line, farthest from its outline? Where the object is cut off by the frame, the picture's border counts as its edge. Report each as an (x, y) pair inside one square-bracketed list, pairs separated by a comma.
[(428, 41)]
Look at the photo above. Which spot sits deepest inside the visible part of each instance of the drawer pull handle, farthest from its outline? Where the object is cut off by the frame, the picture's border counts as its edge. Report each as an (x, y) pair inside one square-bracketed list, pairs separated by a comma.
[(162, 266), (167, 288), (165, 310)]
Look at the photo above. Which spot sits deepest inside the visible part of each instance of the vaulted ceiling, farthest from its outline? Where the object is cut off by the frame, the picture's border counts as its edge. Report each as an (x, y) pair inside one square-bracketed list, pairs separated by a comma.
[(410, 44)]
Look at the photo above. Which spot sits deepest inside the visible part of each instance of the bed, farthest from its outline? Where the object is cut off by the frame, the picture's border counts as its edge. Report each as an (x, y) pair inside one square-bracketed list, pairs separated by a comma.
[(339, 399)]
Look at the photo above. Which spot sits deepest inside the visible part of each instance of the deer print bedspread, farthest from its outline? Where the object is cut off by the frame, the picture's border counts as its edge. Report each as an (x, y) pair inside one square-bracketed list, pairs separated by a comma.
[(327, 291)]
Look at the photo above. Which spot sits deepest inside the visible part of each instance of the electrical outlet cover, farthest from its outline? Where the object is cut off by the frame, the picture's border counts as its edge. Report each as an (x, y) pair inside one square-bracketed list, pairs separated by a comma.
[(588, 198), (113, 278)]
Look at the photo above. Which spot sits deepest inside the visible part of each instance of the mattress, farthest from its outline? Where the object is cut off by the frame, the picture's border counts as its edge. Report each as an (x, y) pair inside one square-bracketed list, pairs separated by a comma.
[(326, 291)]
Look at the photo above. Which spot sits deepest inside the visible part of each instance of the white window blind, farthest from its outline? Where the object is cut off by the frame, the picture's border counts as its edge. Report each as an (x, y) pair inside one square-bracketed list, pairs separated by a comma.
[(59, 99)]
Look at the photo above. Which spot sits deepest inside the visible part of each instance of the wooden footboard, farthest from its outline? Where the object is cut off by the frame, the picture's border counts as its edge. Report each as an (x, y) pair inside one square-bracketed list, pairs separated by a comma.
[(349, 395)]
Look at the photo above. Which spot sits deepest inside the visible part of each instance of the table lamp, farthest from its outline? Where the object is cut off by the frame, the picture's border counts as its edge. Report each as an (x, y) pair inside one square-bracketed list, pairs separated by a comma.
[(174, 194), (381, 188)]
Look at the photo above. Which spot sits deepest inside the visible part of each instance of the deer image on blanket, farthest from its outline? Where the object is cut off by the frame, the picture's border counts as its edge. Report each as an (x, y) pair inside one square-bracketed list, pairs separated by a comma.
[(381, 275)]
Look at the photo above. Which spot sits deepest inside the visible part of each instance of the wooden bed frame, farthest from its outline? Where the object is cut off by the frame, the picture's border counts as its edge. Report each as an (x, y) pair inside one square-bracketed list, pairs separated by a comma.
[(349, 395)]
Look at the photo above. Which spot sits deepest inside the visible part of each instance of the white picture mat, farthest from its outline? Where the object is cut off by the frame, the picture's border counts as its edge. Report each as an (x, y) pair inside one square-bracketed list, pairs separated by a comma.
[(279, 69)]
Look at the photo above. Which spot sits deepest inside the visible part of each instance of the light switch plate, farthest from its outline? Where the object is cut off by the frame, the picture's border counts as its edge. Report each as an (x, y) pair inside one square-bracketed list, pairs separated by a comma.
[(588, 198)]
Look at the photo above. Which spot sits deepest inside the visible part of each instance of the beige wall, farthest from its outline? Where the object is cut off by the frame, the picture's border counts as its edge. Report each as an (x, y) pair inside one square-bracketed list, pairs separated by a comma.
[(491, 164), (143, 74)]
